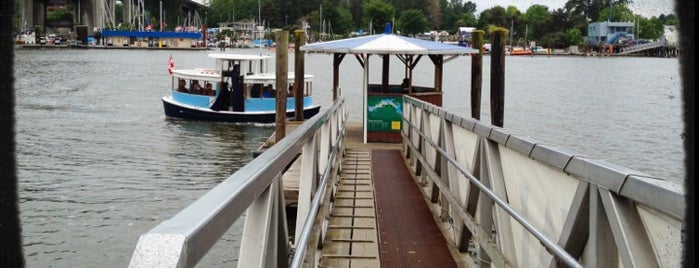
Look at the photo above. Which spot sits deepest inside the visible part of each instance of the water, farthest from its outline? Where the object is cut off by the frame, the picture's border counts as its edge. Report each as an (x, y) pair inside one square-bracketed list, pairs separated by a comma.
[(99, 164)]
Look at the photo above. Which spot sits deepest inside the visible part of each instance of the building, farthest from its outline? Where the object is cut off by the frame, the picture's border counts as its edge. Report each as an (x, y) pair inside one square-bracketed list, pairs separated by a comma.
[(609, 32), (152, 39)]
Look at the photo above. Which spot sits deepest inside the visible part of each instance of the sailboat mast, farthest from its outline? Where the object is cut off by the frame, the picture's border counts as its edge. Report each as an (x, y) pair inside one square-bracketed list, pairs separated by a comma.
[(260, 26)]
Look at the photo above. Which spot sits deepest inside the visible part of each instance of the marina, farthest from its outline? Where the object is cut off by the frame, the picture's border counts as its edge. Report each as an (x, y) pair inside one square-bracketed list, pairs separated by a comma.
[(191, 184)]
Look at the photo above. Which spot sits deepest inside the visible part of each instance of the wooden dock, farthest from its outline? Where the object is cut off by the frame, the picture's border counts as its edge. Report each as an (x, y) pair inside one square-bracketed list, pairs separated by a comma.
[(355, 236)]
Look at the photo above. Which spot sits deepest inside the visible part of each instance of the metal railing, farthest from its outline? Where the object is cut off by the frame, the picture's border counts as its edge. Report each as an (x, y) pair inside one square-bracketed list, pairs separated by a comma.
[(642, 47), (256, 190), (524, 204)]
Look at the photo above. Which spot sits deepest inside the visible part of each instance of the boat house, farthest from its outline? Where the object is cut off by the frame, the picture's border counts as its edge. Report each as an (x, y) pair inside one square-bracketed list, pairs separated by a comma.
[(608, 32)]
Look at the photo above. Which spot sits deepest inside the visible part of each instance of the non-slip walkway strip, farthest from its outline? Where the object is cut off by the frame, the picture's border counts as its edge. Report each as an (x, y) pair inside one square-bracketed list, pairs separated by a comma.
[(408, 234)]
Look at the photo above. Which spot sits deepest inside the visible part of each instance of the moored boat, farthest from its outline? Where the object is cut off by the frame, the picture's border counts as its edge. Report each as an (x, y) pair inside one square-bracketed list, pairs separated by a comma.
[(519, 51), (240, 91)]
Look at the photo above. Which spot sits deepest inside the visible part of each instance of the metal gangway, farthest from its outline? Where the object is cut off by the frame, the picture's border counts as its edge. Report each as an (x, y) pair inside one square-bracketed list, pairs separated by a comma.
[(642, 47), (504, 200)]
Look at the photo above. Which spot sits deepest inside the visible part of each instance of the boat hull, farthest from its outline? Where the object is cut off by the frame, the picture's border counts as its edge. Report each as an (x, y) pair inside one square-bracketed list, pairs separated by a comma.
[(180, 111)]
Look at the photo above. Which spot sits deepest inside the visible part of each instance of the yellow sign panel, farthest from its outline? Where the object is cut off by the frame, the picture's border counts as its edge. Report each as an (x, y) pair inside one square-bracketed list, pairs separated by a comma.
[(395, 125)]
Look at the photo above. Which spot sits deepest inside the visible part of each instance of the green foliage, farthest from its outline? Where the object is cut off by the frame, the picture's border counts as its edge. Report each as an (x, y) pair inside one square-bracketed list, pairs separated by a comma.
[(339, 18), (412, 22), (669, 19), (124, 26), (557, 27), (651, 29), (59, 14), (466, 20), (575, 37), (378, 13), (537, 18), (620, 12), (555, 40), (496, 15)]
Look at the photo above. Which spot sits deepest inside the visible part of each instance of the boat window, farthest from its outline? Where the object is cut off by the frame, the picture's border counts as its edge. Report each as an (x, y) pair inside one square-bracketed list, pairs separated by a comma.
[(182, 86), (256, 91)]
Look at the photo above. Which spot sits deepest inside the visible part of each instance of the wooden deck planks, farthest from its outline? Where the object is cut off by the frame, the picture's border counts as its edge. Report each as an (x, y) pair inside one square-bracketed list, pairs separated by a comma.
[(352, 239)]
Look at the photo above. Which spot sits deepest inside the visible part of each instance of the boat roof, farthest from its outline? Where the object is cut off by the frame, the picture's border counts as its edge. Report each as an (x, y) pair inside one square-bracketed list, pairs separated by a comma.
[(271, 78), (238, 57), (388, 44), (197, 74)]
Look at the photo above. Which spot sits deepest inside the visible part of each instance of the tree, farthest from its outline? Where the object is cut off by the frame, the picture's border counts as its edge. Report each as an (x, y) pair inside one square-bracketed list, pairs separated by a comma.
[(537, 17), (435, 11), (620, 12), (378, 13), (339, 17), (575, 37), (651, 29), (590, 9), (412, 22), (496, 15), (555, 40), (670, 19), (466, 20)]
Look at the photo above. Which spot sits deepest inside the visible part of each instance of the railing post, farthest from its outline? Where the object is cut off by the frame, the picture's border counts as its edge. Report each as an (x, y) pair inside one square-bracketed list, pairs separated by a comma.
[(258, 247), (307, 184)]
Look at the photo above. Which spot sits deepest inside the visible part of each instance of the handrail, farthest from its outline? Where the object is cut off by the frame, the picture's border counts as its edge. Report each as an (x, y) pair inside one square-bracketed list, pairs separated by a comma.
[(603, 202), (184, 239), (308, 225), (552, 246)]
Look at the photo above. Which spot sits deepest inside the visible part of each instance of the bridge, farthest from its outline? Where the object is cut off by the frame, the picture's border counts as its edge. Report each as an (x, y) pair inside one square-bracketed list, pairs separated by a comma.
[(500, 200), (94, 14), (657, 48)]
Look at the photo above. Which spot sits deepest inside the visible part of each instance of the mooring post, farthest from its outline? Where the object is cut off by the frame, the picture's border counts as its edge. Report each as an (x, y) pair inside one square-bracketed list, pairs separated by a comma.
[(282, 71), (477, 74), (497, 77), (299, 73)]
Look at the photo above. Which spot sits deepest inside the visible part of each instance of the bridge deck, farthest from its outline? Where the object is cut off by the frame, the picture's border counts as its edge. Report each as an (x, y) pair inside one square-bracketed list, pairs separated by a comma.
[(380, 218)]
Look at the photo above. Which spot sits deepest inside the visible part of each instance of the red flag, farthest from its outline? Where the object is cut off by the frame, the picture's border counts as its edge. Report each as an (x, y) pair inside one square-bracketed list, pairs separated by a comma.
[(171, 65)]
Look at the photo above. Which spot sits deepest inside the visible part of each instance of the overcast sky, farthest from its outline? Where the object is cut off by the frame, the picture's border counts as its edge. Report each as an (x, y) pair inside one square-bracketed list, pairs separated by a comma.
[(646, 8)]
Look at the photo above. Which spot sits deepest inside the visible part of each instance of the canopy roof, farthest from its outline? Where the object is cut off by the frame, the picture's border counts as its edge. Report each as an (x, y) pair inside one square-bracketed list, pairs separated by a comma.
[(387, 44), (271, 78)]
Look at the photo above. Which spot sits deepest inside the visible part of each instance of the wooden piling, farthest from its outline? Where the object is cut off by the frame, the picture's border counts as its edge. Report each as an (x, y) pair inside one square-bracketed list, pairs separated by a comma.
[(299, 73), (282, 71), (477, 74), (497, 77)]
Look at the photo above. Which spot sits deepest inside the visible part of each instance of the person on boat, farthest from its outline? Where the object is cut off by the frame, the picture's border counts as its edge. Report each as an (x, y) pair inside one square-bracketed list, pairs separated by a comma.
[(193, 87), (269, 92), (208, 90), (197, 89), (255, 91), (182, 87), (291, 92)]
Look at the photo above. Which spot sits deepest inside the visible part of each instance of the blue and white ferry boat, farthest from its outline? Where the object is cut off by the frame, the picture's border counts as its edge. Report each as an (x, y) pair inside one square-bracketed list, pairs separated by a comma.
[(241, 92)]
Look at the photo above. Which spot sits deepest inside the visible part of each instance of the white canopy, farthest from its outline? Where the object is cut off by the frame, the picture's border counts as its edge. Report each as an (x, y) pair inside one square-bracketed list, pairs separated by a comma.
[(388, 44)]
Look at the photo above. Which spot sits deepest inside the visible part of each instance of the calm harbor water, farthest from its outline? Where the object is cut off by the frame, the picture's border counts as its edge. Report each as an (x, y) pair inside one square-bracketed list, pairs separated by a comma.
[(99, 164)]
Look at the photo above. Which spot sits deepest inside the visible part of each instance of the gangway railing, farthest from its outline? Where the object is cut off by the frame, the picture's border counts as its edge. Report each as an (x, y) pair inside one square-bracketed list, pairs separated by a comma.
[(256, 190), (642, 47), (522, 203)]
